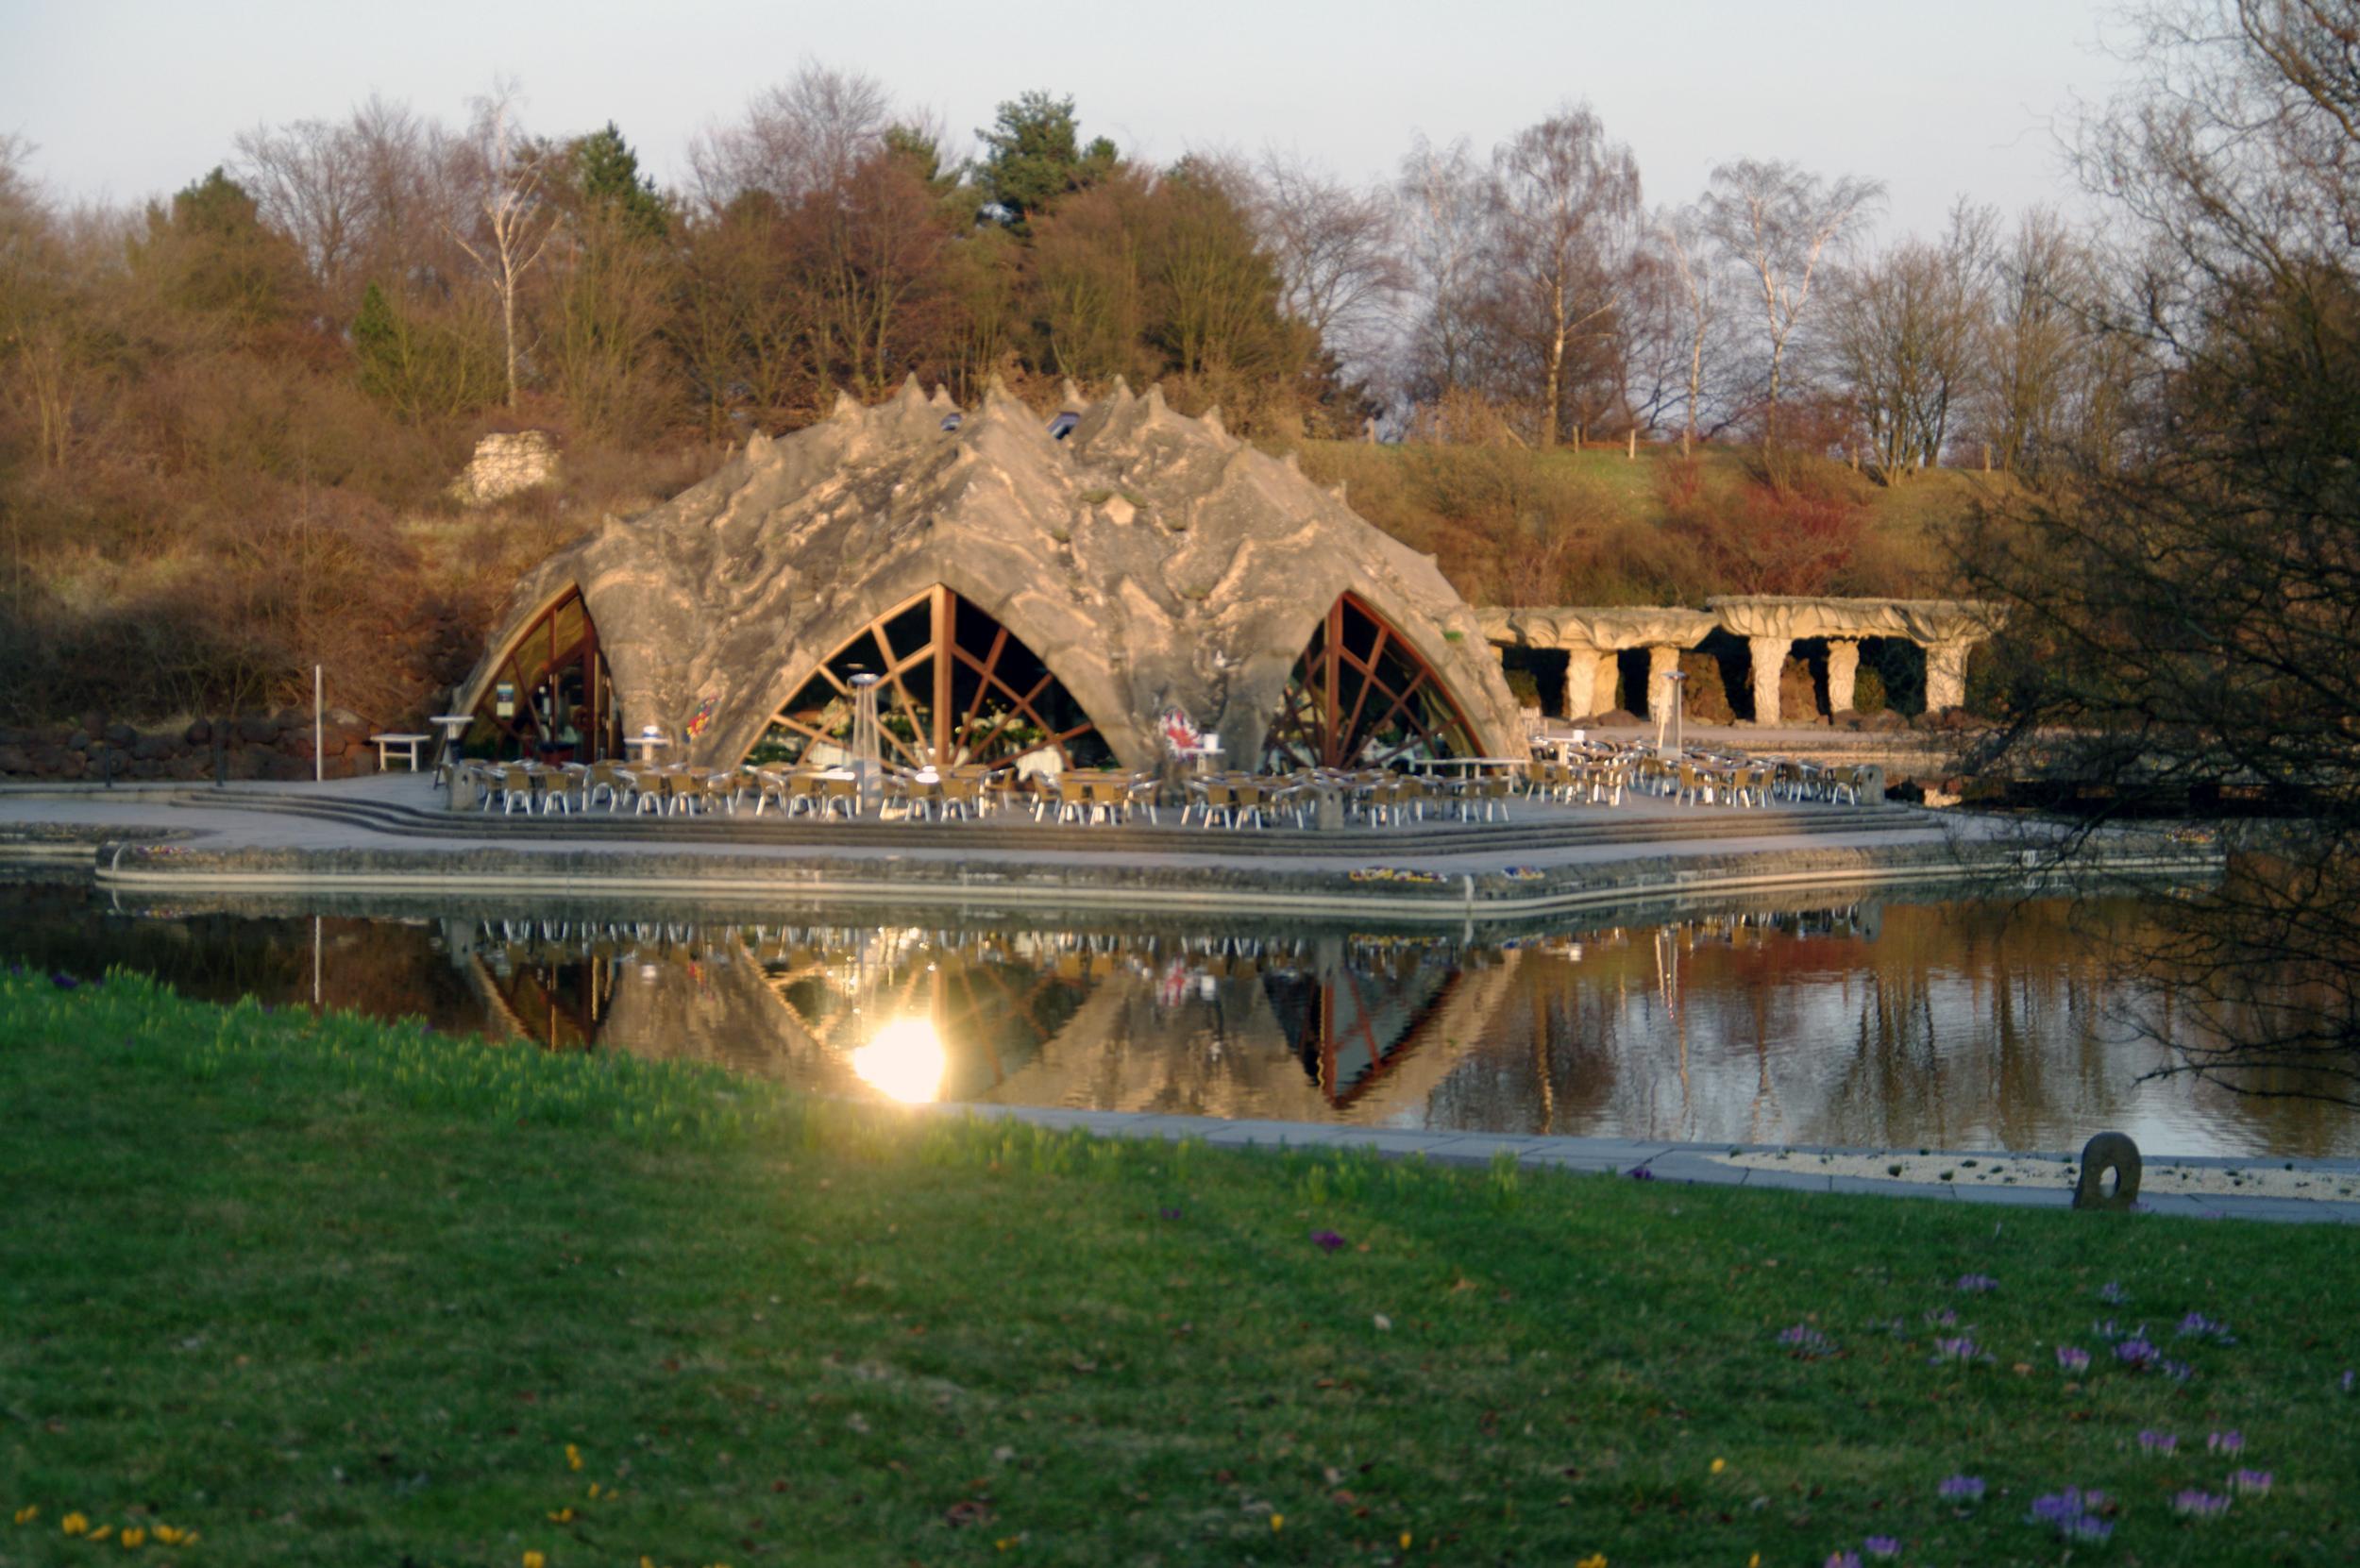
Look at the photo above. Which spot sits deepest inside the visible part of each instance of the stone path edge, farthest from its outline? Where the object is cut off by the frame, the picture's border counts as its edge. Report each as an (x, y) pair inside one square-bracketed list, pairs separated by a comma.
[(1082, 883), (1686, 1164)]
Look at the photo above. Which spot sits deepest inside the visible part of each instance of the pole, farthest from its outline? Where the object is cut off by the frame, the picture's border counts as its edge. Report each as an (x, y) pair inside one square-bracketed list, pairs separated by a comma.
[(319, 736)]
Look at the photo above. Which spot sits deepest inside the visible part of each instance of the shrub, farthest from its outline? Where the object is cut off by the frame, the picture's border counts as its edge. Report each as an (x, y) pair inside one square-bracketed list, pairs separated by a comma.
[(1525, 686), (1868, 692)]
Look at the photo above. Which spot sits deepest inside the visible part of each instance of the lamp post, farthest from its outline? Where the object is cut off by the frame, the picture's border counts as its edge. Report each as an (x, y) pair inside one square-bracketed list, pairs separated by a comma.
[(867, 743)]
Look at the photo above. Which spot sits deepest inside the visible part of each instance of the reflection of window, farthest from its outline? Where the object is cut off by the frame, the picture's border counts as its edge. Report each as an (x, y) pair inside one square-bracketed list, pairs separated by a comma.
[(554, 684), (1361, 696), (956, 686)]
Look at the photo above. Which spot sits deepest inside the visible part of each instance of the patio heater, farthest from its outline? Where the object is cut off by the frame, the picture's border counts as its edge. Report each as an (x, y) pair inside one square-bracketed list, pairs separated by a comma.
[(1679, 680), (868, 742)]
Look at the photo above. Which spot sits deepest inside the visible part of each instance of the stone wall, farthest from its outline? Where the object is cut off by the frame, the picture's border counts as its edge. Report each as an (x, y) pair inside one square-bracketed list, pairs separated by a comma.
[(259, 746), (505, 464)]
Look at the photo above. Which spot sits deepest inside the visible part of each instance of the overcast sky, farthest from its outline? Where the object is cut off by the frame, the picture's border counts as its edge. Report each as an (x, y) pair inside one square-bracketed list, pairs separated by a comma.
[(130, 98)]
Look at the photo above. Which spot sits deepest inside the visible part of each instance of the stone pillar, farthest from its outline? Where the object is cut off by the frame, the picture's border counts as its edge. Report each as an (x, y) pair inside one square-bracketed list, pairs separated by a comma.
[(1660, 661), (1945, 675), (1843, 668), (1581, 670), (1769, 662), (1602, 683)]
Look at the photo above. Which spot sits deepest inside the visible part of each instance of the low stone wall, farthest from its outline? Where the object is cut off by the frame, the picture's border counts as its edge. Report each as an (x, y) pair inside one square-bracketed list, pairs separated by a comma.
[(258, 745)]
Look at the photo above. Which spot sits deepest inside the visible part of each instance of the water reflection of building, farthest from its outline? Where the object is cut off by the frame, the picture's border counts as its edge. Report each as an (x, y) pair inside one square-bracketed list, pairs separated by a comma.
[(1955, 1025), (1313, 1028)]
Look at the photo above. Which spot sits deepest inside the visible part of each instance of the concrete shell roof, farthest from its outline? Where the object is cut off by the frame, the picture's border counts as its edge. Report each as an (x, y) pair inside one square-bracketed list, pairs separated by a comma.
[(1923, 620), (1148, 559)]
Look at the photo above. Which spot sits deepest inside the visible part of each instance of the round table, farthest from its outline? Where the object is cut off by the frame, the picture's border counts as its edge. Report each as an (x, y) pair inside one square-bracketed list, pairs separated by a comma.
[(647, 746)]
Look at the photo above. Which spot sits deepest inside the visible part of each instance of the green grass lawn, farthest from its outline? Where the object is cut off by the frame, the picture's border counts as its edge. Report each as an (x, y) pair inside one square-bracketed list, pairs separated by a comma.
[(329, 1292)]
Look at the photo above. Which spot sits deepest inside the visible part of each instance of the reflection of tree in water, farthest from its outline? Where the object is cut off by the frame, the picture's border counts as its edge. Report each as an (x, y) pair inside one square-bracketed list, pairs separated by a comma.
[(1957, 1023)]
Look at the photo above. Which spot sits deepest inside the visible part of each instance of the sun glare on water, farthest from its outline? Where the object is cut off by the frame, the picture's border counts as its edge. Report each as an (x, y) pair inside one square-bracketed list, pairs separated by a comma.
[(906, 1061)]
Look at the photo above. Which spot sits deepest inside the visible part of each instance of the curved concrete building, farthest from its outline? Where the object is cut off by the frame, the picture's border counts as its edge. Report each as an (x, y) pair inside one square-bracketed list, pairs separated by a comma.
[(1017, 589)]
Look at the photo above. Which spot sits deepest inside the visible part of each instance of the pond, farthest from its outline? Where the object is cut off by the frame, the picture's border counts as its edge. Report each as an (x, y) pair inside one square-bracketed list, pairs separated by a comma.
[(1859, 1020)]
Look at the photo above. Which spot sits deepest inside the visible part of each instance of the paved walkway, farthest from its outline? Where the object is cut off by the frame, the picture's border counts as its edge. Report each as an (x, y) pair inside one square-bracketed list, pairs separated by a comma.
[(131, 812), (1690, 1163)]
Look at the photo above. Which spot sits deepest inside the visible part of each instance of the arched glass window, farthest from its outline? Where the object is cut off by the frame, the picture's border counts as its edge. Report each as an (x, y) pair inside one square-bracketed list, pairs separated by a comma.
[(956, 686), (550, 698), (1360, 697)]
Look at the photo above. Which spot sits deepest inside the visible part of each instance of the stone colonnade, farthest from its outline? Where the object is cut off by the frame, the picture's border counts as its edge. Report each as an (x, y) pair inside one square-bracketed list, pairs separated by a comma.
[(1770, 624), (1593, 638)]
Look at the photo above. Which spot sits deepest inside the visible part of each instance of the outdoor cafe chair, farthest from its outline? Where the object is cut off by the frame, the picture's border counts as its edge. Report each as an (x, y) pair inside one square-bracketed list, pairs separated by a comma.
[(769, 786), (962, 795), (1141, 795), (839, 798), (1249, 800), (686, 794), (1485, 797), (1218, 799), (1694, 787), (516, 790), (602, 776)]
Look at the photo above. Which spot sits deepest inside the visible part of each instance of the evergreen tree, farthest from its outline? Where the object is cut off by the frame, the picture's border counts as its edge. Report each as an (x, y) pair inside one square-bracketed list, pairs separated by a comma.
[(606, 171), (1033, 157)]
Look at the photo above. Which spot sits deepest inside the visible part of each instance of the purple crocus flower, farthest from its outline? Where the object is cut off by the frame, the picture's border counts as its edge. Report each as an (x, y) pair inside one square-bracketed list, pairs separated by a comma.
[(1942, 1317), (64, 981), (2158, 1443), (2073, 1358), (2072, 1513), (2179, 1372), (2193, 1503), (2225, 1442), (1168, 1212), (2251, 1483), (1961, 1489), (1327, 1241), (2135, 1351), (1806, 1341), (1960, 1350), (2112, 1293), (1976, 1285), (1882, 1546), (2346, 1380), (1842, 1559), (2198, 1326), (1639, 1173)]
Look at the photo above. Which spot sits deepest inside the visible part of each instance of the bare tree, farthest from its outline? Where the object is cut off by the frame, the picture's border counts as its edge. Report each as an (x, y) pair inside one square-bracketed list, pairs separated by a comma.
[(309, 180), (2181, 610), (1908, 340), (1334, 246), (1439, 210), (512, 229), (2040, 365), (1782, 224), (806, 134), (1564, 210), (1700, 291)]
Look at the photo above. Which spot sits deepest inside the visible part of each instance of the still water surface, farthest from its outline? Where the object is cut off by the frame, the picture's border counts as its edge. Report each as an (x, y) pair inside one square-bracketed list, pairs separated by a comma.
[(1862, 1021)]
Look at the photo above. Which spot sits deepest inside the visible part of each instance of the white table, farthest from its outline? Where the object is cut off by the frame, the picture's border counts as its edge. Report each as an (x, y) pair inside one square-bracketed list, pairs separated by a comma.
[(405, 743), (647, 746)]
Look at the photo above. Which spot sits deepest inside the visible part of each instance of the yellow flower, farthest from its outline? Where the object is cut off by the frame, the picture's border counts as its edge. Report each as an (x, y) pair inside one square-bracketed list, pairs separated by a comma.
[(1754, 1561), (563, 1516), (134, 1539), (535, 1560), (30, 1512), (102, 1532), (1405, 1541), (167, 1536), (73, 1523), (594, 1491), (1719, 1465), (1595, 1559), (1277, 1521), (573, 1457)]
